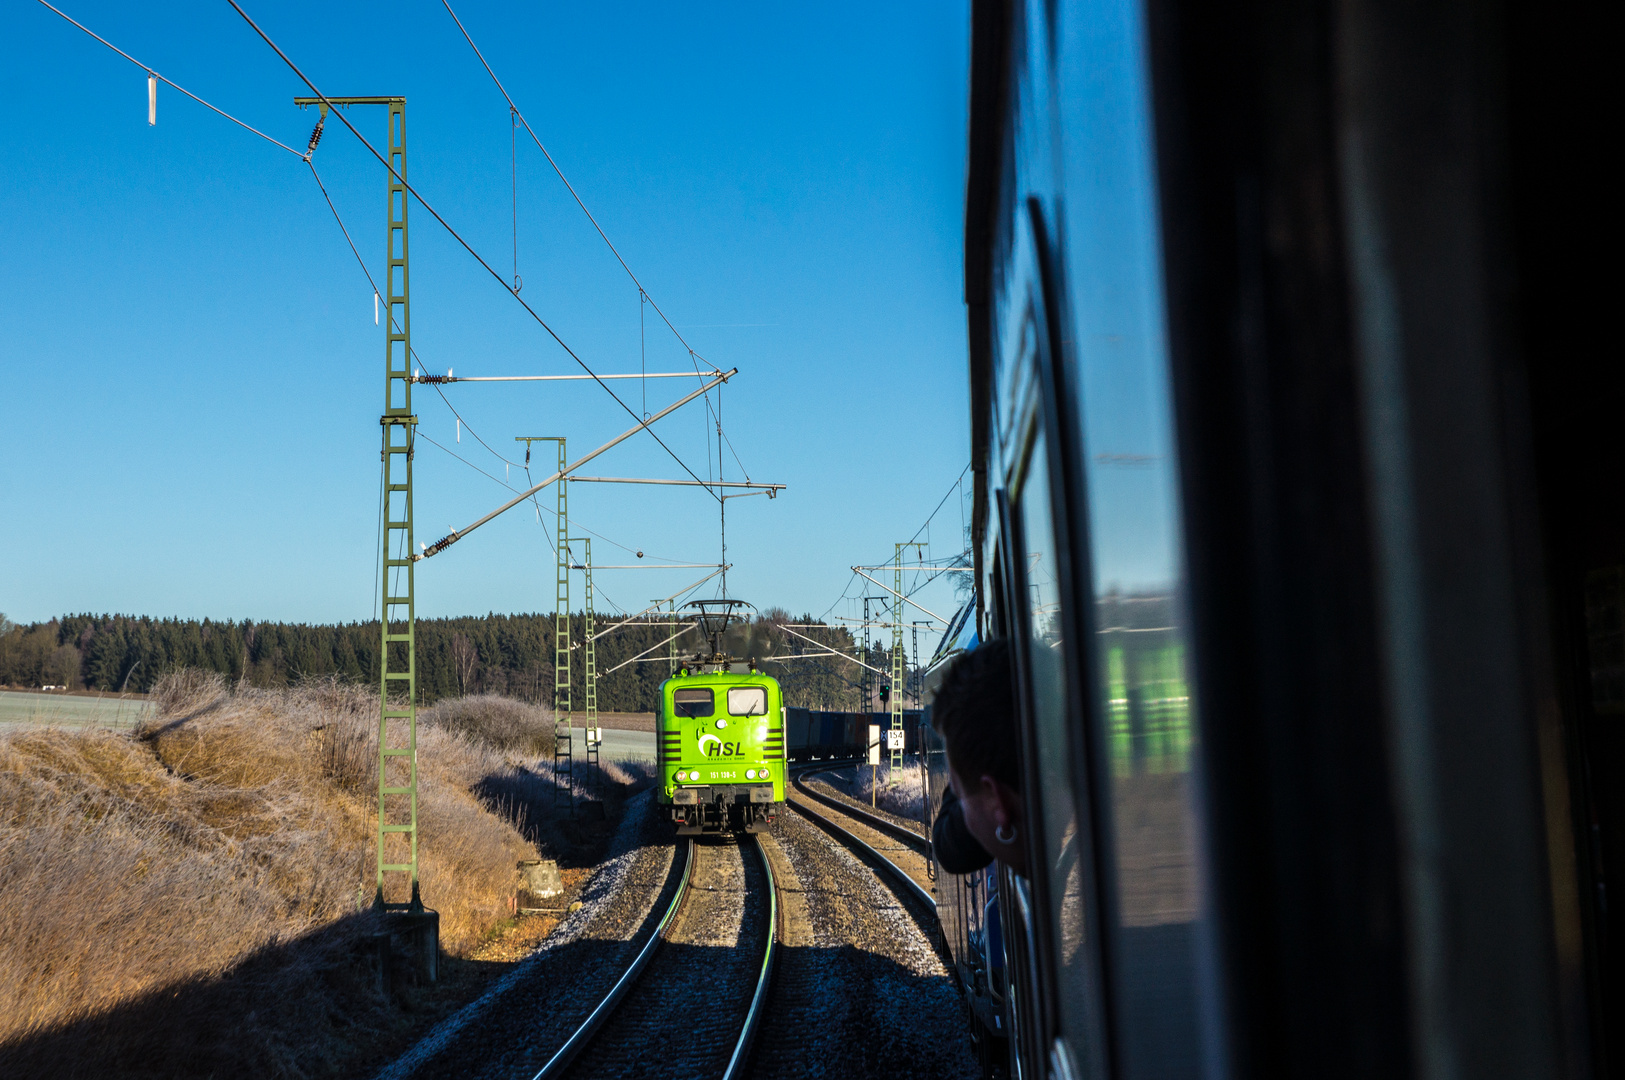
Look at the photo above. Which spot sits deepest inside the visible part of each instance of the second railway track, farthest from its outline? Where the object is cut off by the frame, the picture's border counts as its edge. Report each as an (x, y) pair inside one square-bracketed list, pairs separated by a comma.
[(902, 853)]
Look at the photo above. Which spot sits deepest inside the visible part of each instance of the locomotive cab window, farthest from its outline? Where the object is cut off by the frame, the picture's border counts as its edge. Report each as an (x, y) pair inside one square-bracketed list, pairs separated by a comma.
[(744, 700), (692, 702)]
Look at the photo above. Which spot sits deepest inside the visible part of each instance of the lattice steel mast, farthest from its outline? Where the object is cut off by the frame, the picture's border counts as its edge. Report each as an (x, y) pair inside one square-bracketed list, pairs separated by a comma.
[(590, 664), (563, 759), (899, 664), (397, 681)]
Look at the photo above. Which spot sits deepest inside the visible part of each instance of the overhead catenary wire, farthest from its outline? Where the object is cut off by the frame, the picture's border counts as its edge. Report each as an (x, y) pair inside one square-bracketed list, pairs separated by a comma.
[(643, 294), (654, 560), (154, 77), (359, 260), (507, 286), (514, 108), (152, 74), (958, 483)]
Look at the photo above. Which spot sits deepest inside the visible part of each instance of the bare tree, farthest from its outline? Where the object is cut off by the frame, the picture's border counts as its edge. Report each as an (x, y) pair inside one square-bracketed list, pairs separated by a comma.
[(466, 658)]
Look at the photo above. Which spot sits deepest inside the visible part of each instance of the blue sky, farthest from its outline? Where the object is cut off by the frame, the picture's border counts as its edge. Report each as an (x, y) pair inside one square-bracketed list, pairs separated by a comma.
[(193, 377)]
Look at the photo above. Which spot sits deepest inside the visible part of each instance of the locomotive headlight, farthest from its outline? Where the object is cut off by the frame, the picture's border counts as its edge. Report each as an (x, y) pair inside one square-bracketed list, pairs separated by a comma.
[(750, 774)]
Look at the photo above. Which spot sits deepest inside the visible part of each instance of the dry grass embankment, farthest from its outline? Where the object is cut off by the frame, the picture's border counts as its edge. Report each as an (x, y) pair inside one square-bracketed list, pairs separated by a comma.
[(191, 899), (898, 792)]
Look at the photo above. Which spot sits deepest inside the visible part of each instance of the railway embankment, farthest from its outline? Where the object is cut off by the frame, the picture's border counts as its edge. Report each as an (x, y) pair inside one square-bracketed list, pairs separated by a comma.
[(192, 897)]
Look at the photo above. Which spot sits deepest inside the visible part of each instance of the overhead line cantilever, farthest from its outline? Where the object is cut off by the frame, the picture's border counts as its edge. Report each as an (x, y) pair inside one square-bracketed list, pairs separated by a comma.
[(900, 596), (825, 645), (446, 541), (650, 649), (439, 379)]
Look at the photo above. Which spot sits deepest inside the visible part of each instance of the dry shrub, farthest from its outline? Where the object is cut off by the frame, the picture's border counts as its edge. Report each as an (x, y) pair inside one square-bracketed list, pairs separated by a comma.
[(514, 727), (897, 791), (229, 845), (186, 692)]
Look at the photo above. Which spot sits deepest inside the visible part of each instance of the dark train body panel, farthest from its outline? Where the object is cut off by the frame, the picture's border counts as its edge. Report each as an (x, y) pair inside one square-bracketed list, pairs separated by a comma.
[(1297, 470), (820, 735)]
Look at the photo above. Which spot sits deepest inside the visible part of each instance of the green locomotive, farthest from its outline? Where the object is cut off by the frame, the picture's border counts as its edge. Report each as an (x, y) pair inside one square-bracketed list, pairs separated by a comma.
[(720, 738)]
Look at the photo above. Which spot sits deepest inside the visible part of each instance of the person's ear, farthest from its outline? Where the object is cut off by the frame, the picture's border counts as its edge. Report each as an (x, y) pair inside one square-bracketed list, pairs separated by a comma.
[(998, 796), (1006, 799)]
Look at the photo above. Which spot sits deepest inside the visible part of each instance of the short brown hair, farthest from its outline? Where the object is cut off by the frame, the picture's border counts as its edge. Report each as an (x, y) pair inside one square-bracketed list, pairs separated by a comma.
[(975, 711)]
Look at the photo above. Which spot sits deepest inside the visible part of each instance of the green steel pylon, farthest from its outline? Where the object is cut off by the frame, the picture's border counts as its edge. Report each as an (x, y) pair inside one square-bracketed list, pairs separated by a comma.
[(590, 664), (397, 678), (899, 666), (671, 656), (562, 757)]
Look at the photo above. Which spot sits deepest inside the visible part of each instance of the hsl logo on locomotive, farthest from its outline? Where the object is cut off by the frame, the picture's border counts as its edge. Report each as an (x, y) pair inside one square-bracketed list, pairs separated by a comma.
[(717, 748)]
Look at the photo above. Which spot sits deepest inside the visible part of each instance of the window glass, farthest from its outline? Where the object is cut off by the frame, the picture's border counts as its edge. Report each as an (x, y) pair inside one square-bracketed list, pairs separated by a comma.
[(1056, 730), (1149, 722), (691, 702), (747, 701)]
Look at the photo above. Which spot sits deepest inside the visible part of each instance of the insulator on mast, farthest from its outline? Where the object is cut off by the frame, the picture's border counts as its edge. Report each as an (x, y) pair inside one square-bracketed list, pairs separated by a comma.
[(315, 137), (375, 307), (152, 99)]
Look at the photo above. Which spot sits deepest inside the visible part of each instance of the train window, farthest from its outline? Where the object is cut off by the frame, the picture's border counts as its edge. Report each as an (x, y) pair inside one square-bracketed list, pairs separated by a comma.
[(1147, 724), (691, 702), (747, 701), (1067, 851)]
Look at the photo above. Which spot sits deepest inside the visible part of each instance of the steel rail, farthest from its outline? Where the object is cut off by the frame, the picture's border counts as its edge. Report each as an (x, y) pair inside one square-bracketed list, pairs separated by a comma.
[(737, 1062), (874, 821), (583, 1034), (758, 1001), (850, 838)]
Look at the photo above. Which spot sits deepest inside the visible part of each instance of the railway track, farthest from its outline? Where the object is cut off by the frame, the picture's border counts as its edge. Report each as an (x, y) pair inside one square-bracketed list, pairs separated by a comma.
[(900, 852), (865, 987), (654, 998)]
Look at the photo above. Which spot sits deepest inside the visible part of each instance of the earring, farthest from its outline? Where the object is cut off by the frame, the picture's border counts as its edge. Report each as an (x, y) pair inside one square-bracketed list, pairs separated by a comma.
[(999, 834)]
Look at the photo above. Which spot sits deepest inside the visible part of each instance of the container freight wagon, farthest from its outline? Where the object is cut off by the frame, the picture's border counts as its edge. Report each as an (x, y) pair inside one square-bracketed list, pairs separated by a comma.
[(818, 735)]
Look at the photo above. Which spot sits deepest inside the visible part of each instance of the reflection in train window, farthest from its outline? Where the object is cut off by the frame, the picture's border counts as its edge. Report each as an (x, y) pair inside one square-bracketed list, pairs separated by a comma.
[(1149, 724), (1066, 842), (691, 702)]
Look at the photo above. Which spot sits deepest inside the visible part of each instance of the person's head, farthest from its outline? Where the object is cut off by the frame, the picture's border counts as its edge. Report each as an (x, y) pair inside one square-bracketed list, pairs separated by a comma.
[(975, 710)]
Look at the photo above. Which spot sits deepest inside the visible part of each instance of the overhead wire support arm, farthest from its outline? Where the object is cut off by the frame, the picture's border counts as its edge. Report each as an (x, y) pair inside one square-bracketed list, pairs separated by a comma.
[(650, 649), (900, 596), (771, 489), (663, 600), (653, 566), (832, 652), (444, 542), (441, 380)]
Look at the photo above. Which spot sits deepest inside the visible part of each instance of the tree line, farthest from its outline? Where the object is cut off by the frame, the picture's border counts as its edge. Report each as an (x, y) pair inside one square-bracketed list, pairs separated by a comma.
[(503, 654)]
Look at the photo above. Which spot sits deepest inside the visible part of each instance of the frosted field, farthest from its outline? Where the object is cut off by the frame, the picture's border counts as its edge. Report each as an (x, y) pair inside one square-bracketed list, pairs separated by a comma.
[(23, 707)]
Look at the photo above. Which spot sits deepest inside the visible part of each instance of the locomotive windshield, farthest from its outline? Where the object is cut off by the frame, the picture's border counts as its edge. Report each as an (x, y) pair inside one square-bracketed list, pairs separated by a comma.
[(696, 702), (747, 701)]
